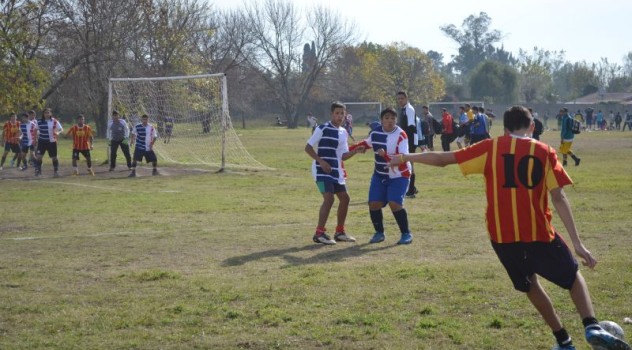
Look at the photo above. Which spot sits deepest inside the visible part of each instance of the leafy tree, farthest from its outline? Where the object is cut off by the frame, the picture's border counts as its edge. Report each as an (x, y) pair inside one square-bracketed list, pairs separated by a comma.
[(627, 64), (385, 70), (475, 40), (23, 25), (606, 71), (620, 84), (494, 82), (536, 69), (574, 80)]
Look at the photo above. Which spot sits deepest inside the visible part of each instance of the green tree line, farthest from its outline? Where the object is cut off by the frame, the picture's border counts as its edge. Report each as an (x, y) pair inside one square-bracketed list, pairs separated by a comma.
[(279, 58)]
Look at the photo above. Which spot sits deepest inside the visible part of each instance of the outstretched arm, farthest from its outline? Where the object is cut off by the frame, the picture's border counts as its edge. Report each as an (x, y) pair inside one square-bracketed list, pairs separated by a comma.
[(563, 208), (429, 158)]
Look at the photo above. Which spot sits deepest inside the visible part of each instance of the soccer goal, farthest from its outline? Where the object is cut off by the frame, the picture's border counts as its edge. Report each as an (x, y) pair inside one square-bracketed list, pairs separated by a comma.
[(451, 107), (190, 114), (364, 111)]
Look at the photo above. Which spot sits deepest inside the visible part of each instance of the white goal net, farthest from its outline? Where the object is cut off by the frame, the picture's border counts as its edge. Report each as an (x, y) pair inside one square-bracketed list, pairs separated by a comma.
[(190, 114)]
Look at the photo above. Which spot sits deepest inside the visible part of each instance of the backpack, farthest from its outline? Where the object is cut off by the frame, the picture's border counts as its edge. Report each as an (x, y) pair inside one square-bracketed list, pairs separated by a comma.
[(438, 127), (539, 128), (576, 128)]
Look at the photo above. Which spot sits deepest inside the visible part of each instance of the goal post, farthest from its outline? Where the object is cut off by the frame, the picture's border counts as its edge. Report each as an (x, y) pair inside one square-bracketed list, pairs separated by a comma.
[(190, 114), (364, 109)]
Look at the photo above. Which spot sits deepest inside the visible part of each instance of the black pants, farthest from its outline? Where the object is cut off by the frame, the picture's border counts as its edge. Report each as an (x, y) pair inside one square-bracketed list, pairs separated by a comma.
[(446, 139), (114, 148)]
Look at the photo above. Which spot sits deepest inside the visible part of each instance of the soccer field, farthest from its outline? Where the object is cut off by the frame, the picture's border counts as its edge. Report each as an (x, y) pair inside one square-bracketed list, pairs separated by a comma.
[(196, 259)]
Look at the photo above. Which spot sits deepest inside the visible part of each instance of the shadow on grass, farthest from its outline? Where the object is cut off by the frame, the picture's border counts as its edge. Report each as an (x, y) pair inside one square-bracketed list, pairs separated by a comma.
[(322, 254)]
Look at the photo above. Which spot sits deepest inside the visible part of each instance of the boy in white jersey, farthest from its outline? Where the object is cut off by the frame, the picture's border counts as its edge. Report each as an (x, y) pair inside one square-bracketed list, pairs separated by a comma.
[(328, 148), (144, 135)]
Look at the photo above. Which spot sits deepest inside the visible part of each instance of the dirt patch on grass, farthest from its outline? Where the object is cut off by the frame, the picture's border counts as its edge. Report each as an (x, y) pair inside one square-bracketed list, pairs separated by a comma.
[(100, 172)]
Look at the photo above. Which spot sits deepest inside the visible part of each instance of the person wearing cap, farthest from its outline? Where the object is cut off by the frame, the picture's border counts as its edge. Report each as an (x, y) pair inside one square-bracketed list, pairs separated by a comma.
[(118, 135)]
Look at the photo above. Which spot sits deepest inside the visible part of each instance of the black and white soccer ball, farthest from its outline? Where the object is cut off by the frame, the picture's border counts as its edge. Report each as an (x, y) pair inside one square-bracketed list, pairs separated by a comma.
[(613, 328)]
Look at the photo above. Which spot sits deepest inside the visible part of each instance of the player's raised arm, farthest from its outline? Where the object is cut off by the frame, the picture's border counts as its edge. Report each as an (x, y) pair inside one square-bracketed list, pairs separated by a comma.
[(440, 159)]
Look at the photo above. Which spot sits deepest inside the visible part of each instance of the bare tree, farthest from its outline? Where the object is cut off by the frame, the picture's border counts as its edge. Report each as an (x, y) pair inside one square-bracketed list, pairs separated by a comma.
[(88, 49), (279, 33)]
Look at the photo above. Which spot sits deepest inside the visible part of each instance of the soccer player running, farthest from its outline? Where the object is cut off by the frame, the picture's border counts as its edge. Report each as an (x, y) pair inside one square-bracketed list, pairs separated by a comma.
[(11, 135), (389, 184), (48, 130), (82, 140), (144, 135), (520, 173), (328, 148)]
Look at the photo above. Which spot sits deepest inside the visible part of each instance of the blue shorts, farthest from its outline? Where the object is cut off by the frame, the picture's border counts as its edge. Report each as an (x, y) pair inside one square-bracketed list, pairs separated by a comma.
[(553, 261), (330, 187), (386, 190)]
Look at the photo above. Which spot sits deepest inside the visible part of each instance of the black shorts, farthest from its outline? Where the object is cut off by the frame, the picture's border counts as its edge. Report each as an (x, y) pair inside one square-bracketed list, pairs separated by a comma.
[(149, 156), (553, 261), (47, 146), (76, 152), (26, 148), (13, 147)]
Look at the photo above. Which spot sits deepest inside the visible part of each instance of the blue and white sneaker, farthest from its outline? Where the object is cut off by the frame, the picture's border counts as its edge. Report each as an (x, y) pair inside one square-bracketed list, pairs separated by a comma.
[(602, 340), (378, 237), (406, 238)]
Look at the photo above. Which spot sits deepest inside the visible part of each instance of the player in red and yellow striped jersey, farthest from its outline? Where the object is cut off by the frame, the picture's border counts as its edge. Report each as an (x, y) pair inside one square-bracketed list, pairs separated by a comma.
[(519, 174), (82, 139), (11, 135)]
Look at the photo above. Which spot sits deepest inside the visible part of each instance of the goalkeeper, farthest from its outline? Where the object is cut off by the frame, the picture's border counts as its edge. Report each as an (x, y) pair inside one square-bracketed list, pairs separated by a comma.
[(118, 135)]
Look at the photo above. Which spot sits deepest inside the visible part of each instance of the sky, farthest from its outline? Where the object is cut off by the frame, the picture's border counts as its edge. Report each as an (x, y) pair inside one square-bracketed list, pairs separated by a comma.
[(587, 30)]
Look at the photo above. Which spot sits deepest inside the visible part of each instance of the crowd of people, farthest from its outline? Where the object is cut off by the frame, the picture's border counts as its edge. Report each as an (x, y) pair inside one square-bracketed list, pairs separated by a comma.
[(31, 138), (520, 173)]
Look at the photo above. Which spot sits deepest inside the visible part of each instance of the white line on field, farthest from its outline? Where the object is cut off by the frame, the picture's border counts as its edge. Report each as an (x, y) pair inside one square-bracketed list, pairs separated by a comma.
[(125, 233)]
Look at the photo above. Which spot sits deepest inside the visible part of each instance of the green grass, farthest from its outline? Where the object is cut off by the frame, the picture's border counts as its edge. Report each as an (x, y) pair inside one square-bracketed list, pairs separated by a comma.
[(225, 260)]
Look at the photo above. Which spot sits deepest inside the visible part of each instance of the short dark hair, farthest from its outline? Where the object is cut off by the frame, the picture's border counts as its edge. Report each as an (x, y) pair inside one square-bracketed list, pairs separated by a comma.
[(388, 110), (144, 116), (81, 116), (517, 117), (475, 108), (424, 107), (115, 112), (403, 93), (24, 115), (337, 104)]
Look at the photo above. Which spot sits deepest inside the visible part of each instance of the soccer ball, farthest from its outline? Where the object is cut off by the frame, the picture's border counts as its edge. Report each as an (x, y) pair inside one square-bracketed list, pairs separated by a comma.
[(613, 328)]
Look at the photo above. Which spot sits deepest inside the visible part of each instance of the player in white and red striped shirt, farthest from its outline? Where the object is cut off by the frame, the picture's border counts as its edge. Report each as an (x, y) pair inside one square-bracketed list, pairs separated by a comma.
[(389, 185)]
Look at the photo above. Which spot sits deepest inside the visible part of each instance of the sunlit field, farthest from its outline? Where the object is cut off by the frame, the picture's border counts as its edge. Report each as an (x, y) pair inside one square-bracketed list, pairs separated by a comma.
[(195, 259)]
